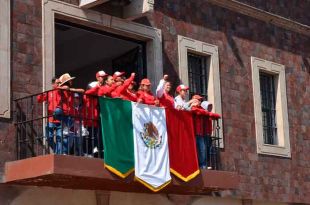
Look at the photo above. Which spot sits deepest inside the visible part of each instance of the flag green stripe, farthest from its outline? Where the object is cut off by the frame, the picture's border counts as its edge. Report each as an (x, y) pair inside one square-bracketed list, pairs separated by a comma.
[(117, 133)]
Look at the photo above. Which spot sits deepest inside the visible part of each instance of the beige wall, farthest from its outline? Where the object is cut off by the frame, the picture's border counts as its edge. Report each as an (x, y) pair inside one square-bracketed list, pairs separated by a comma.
[(52, 196), (118, 198), (23, 195)]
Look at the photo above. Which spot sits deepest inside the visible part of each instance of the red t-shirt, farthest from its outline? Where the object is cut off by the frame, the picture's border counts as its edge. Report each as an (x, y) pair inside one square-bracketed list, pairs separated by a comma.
[(166, 100), (53, 100), (146, 97)]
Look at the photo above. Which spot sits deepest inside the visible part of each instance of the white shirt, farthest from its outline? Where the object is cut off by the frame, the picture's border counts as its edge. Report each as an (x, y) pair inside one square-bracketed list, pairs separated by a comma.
[(160, 88), (178, 101)]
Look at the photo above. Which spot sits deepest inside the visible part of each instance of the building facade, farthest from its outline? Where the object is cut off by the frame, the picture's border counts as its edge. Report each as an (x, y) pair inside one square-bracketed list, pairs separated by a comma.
[(251, 59)]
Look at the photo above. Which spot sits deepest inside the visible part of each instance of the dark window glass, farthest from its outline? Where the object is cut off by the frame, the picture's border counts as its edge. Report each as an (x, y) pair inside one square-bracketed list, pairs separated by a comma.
[(268, 102), (198, 71)]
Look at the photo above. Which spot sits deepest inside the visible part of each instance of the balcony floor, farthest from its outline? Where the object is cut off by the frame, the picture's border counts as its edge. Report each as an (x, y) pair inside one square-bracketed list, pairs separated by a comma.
[(73, 172)]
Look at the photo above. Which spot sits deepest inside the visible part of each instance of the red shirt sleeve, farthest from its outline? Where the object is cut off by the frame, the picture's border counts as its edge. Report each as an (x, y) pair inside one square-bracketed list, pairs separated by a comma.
[(200, 111), (106, 90), (215, 115), (41, 98), (92, 91)]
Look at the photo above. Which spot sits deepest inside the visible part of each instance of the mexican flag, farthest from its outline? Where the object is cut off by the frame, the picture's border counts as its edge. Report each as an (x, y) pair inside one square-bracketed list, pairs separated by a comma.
[(135, 136)]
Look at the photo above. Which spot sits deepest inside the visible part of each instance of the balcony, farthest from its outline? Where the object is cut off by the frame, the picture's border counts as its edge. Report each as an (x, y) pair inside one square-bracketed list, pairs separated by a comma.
[(81, 165)]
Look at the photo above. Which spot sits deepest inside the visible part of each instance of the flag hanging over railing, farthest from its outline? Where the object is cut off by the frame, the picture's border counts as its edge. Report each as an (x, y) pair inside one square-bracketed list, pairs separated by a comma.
[(182, 144), (117, 135), (136, 136), (131, 130)]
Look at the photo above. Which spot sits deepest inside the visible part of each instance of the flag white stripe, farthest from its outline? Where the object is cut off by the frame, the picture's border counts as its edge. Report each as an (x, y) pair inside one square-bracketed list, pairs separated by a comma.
[(151, 164)]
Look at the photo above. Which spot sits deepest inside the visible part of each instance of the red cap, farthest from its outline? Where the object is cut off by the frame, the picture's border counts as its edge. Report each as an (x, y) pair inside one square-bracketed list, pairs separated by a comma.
[(198, 97), (145, 81), (182, 87), (118, 74), (101, 74)]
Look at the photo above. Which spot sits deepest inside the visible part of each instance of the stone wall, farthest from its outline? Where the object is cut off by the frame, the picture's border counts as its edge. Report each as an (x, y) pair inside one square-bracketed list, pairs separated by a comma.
[(295, 10), (26, 66), (239, 37)]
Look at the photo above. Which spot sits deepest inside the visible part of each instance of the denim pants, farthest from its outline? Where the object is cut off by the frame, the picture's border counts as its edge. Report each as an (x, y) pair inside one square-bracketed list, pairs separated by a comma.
[(203, 144), (59, 115), (61, 146)]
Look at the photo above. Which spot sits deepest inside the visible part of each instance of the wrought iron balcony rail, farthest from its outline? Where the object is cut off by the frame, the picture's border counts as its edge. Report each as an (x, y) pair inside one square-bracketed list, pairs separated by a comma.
[(63, 122)]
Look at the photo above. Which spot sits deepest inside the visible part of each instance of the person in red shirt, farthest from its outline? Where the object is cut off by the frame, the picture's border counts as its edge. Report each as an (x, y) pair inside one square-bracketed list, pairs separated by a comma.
[(209, 128), (100, 76), (130, 93), (53, 99), (203, 131), (145, 95), (122, 85), (108, 87), (92, 142), (199, 126), (64, 109), (162, 93)]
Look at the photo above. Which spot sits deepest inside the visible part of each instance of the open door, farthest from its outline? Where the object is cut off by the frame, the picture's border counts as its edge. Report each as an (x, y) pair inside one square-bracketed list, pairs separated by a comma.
[(132, 61), (82, 51)]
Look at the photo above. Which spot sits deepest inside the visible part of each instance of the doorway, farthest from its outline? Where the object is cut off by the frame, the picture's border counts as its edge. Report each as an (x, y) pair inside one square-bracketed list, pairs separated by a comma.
[(82, 51)]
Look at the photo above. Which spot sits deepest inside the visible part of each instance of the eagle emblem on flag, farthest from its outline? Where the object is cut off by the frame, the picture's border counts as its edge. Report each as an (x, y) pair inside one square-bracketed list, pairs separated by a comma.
[(150, 136)]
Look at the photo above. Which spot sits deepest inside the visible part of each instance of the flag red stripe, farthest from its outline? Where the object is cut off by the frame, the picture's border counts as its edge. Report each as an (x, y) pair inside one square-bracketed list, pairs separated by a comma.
[(182, 143)]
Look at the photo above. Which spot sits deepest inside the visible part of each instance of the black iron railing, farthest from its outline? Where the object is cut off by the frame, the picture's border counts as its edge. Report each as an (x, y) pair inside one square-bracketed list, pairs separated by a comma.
[(63, 122), (59, 122)]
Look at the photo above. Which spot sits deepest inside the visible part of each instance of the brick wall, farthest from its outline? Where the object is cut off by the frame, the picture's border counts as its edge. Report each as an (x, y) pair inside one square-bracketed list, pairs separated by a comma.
[(238, 38), (26, 66)]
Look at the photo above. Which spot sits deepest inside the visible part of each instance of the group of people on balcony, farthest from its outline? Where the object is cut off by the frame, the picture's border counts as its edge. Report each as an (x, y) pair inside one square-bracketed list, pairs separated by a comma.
[(70, 112)]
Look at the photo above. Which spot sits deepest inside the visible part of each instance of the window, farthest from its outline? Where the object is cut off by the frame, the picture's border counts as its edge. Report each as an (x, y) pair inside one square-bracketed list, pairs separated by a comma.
[(270, 108), (267, 91), (199, 68), (198, 75), (5, 67)]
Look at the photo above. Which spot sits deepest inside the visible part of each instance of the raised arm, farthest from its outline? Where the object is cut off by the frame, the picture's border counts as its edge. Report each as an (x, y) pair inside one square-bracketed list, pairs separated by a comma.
[(122, 88)]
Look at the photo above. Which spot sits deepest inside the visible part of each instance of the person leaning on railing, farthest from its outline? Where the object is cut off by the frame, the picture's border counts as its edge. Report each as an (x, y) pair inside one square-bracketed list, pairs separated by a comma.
[(179, 101), (203, 130), (96, 85), (63, 111), (53, 99)]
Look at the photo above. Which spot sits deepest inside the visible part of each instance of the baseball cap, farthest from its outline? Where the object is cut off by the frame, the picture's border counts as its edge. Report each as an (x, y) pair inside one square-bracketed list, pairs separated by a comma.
[(145, 81), (182, 87), (118, 74), (197, 97), (101, 73)]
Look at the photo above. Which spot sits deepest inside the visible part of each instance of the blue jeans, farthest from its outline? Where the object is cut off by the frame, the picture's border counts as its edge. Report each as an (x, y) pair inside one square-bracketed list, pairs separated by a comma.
[(59, 115), (58, 147), (203, 144)]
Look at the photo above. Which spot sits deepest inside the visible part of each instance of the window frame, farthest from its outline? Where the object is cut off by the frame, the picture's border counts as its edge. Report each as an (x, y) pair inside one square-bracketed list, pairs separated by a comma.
[(186, 45), (5, 59), (282, 149)]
